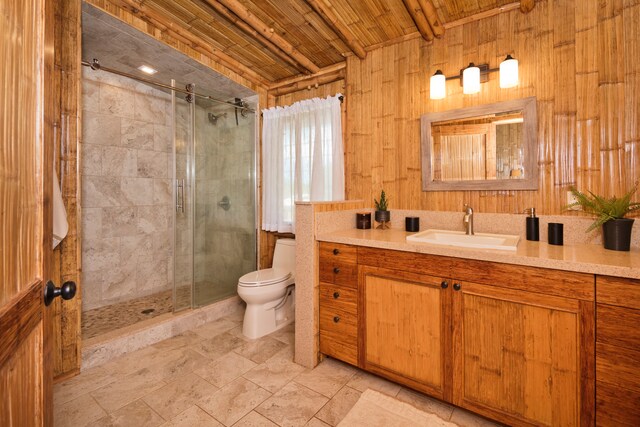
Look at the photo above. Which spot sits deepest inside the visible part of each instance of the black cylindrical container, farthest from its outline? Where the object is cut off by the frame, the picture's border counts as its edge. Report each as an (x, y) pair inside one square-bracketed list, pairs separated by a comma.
[(412, 223), (533, 225), (555, 234), (363, 220)]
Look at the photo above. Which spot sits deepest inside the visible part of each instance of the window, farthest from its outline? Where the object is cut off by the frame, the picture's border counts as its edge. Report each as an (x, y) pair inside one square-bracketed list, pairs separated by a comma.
[(302, 159)]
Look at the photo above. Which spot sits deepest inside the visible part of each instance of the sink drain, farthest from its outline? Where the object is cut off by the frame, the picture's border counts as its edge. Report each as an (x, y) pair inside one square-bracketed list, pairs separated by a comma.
[(148, 310)]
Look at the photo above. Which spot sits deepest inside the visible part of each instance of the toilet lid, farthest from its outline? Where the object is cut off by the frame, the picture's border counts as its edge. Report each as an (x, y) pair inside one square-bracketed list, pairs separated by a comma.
[(267, 276)]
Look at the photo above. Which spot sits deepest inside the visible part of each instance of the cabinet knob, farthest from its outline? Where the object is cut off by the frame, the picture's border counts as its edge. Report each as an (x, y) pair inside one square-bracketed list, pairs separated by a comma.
[(336, 251), (457, 286), (336, 319), (444, 284), (336, 295), (336, 270)]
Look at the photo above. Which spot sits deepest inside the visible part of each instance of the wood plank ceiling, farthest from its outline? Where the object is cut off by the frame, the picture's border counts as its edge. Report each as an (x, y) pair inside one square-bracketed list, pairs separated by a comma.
[(278, 42)]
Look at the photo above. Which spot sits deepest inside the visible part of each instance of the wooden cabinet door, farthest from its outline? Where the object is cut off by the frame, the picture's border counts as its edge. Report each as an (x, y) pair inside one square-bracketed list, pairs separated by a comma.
[(26, 160), (523, 358), (405, 322)]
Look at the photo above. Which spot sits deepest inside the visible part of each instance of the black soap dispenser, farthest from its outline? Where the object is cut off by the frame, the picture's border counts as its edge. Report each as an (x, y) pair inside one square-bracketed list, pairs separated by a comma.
[(533, 225)]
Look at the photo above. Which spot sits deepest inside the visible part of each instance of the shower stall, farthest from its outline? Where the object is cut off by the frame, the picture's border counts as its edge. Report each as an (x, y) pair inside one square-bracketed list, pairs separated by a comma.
[(169, 198)]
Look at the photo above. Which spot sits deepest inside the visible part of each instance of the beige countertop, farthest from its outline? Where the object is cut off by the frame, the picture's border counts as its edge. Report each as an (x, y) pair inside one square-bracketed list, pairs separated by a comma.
[(584, 258)]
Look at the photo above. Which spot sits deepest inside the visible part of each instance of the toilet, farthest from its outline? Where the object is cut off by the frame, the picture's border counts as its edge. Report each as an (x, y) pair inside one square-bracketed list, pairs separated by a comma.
[(270, 293)]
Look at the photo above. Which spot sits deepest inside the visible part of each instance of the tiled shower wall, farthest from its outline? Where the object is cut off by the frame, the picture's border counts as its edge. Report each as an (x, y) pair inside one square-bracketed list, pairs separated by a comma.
[(126, 168)]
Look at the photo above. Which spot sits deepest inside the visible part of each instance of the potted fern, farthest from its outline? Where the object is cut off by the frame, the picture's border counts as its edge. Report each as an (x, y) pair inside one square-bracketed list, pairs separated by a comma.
[(382, 214), (610, 214)]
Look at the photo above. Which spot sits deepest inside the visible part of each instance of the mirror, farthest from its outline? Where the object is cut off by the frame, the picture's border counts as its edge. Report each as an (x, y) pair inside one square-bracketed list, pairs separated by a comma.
[(488, 147)]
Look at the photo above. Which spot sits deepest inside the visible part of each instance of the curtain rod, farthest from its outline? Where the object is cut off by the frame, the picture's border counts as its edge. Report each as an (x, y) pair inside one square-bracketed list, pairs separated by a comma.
[(340, 98), (95, 65)]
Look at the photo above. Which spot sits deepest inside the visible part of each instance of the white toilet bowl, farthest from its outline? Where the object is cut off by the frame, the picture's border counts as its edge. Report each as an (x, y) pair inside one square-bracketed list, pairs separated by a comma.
[(269, 293)]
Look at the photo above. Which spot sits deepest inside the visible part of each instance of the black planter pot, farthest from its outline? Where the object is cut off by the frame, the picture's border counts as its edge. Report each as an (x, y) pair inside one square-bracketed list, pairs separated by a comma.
[(617, 234), (383, 216)]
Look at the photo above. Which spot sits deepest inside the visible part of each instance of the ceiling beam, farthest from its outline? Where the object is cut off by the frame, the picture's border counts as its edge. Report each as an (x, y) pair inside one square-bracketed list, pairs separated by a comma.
[(245, 14), (429, 11), (309, 83), (231, 17), (330, 17), (166, 24), (414, 9), (326, 70), (526, 6)]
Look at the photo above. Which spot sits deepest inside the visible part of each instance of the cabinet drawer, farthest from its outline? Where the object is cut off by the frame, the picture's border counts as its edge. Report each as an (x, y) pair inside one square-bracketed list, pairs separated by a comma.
[(617, 291), (341, 322), (338, 297), (616, 406), (618, 366), (339, 273), (338, 348), (338, 252), (618, 326)]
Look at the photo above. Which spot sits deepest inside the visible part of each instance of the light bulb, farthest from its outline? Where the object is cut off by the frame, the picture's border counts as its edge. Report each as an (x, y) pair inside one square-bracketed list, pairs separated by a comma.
[(438, 87), (471, 79), (509, 72)]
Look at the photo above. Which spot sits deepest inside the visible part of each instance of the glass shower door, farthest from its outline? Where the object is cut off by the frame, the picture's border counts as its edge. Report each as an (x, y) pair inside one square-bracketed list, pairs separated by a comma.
[(225, 220), (215, 200), (183, 131)]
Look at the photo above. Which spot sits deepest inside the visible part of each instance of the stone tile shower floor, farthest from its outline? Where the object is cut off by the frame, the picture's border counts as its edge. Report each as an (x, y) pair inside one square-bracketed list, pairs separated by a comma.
[(214, 376), (112, 317)]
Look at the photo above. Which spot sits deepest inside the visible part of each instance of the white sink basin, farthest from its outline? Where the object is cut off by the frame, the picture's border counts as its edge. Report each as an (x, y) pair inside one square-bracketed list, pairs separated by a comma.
[(504, 242)]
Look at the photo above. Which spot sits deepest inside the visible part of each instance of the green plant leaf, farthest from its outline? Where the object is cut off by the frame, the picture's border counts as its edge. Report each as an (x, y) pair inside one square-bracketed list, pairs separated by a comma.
[(602, 208)]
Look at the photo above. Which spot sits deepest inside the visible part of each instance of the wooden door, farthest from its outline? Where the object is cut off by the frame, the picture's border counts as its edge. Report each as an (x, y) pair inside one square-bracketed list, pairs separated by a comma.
[(25, 212), (522, 357), (406, 328)]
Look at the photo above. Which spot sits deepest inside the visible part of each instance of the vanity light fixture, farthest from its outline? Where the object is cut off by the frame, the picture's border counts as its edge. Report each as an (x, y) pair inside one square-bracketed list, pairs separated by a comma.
[(473, 75), (147, 70)]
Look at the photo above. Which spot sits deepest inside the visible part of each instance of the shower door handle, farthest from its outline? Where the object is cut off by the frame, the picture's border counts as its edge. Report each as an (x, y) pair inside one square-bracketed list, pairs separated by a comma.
[(180, 195)]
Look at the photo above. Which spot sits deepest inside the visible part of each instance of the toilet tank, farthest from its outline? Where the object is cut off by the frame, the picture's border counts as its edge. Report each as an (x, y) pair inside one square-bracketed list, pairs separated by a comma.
[(284, 255)]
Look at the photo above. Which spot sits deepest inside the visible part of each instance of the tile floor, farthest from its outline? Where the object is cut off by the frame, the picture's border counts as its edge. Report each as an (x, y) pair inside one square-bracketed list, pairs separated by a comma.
[(213, 376)]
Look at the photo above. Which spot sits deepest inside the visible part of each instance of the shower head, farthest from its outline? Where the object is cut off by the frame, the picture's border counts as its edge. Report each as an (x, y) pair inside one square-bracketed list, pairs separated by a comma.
[(213, 119)]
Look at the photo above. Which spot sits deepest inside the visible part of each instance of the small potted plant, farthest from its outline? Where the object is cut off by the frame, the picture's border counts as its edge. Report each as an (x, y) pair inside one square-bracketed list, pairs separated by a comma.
[(610, 214), (382, 215)]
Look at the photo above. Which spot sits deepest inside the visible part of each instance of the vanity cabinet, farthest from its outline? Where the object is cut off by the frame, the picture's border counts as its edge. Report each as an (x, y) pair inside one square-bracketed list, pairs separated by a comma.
[(617, 351), (513, 343)]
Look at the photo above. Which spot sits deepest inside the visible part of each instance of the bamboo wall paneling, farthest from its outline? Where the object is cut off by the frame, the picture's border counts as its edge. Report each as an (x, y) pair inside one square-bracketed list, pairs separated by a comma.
[(527, 5), (576, 68), (328, 13), (66, 257)]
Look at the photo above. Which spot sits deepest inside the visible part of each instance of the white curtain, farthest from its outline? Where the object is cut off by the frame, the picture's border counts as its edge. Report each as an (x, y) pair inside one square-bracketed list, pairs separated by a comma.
[(302, 159)]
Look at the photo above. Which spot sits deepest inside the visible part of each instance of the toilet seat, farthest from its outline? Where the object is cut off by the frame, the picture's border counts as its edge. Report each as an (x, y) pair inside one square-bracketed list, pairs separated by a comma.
[(264, 277)]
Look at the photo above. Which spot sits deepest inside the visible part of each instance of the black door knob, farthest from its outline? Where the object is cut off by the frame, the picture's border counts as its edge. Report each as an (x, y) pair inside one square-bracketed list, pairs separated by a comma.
[(336, 270), (336, 251), (457, 286), (444, 284), (336, 295), (336, 319), (66, 291)]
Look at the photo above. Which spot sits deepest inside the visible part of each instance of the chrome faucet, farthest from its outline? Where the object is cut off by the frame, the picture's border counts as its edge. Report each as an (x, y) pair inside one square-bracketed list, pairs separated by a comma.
[(468, 219)]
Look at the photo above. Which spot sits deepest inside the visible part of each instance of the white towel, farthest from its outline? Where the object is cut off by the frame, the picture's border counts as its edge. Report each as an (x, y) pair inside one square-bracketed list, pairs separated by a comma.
[(60, 224)]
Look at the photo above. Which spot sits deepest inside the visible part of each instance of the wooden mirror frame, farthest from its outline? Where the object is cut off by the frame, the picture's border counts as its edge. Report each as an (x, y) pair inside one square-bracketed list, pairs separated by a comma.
[(529, 134)]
